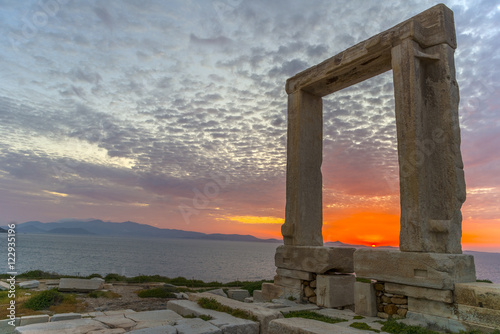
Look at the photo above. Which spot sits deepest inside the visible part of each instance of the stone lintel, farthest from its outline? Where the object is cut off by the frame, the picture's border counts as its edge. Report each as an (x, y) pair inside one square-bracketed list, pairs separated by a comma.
[(315, 259), (428, 270), (372, 56), (298, 274), (445, 296), (478, 294)]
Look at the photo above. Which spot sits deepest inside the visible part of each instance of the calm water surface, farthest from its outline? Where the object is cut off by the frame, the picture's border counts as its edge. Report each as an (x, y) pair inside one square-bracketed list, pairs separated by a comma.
[(207, 260)]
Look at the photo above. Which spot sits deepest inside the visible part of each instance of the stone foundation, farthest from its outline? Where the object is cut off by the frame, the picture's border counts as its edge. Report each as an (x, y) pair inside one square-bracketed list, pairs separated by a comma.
[(390, 306)]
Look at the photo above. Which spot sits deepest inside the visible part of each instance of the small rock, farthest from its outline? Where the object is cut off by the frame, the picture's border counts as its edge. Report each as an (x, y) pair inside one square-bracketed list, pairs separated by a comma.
[(238, 294), (4, 286), (402, 312), (218, 292), (386, 299), (382, 315), (313, 300), (309, 292), (379, 287), (313, 284), (399, 301), (391, 309)]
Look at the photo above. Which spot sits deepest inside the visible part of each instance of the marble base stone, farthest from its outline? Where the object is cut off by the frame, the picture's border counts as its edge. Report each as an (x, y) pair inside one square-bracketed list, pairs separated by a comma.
[(484, 295), (428, 270), (365, 299), (445, 296), (335, 290)]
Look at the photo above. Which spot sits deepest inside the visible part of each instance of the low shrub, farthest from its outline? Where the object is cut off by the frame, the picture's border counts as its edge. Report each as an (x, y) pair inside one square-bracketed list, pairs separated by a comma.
[(44, 300), (114, 278), (484, 281), (363, 326), (104, 294), (161, 292)]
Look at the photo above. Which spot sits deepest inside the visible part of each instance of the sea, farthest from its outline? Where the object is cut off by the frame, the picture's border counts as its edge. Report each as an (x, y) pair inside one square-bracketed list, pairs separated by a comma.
[(207, 260)]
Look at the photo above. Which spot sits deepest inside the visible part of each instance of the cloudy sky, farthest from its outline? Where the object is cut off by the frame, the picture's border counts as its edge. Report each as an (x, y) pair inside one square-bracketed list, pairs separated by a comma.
[(173, 114)]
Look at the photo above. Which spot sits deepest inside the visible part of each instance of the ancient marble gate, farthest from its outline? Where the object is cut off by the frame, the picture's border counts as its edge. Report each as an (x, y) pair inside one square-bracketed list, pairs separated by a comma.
[(420, 52)]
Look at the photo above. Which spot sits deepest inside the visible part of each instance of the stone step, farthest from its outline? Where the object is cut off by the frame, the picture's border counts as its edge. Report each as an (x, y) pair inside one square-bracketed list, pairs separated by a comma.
[(309, 326), (264, 315), (226, 322), (196, 326), (79, 326)]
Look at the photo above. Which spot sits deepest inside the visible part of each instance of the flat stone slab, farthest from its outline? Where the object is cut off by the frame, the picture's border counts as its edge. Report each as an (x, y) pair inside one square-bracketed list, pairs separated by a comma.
[(4, 286), (479, 315), (156, 318), (65, 316), (34, 319), (167, 329), (478, 295), (218, 292), (302, 275), (315, 259), (421, 293), (196, 326), (117, 321), (118, 312), (428, 270), (238, 294), (224, 321), (79, 284), (298, 307), (29, 284), (309, 326), (79, 326), (264, 315)]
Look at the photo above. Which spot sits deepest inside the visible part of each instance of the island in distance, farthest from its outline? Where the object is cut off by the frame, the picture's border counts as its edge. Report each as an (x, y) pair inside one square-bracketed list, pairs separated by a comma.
[(126, 229), (99, 227)]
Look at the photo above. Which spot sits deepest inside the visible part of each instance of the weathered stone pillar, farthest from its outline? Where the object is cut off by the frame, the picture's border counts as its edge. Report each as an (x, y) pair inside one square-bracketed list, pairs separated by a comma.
[(304, 213), (431, 173)]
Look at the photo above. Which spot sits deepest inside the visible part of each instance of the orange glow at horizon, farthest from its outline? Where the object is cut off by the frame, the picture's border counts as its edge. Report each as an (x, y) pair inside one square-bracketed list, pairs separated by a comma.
[(363, 228)]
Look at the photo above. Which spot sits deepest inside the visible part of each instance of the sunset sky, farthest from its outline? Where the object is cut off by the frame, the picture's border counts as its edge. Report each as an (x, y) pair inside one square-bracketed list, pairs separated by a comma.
[(173, 114)]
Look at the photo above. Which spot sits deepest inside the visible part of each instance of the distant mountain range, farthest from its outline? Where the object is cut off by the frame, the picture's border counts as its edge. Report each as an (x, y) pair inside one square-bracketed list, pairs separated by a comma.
[(130, 229), (125, 229)]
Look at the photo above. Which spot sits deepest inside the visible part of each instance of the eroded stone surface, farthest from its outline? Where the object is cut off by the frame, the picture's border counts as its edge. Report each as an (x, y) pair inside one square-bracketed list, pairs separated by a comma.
[(335, 290), (153, 318), (429, 270), (263, 314), (445, 296), (80, 326), (315, 259), (196, 326), (116, 321), (79, 284), (365, 300), (298, 274), (484, 295)]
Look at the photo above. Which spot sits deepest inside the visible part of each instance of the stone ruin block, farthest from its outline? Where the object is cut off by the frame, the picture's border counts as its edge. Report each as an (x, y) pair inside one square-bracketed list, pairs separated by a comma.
[(315, 259), (428, 270), (335, 290), (365, 299)]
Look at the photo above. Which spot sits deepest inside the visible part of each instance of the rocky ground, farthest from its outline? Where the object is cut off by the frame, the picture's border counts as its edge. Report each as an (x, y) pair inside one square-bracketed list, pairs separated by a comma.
[(128, 300)]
